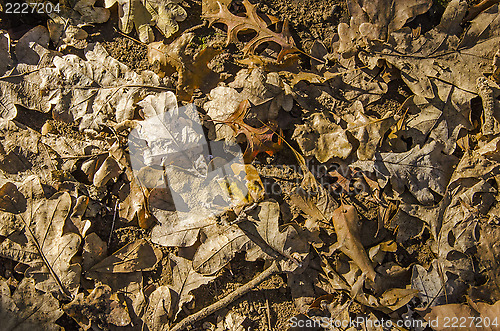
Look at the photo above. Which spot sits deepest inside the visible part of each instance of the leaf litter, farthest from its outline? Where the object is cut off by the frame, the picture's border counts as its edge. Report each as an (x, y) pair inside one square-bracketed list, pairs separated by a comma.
[(141, 193)]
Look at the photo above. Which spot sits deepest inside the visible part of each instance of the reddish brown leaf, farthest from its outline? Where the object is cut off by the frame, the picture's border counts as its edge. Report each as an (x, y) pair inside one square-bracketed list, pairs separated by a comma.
[(258, 139)]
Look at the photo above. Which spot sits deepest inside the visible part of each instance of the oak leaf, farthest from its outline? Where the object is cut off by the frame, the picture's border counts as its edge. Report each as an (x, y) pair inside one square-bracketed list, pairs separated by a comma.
[(265, 139), (252, 21)]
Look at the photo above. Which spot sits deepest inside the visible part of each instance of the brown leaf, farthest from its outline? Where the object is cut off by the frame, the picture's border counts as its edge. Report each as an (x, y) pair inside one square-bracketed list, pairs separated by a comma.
[(193, 71), (97, 309), (264, 139), (477, 316), (136, 256), (252, 21), (26, 309), (345, 220)]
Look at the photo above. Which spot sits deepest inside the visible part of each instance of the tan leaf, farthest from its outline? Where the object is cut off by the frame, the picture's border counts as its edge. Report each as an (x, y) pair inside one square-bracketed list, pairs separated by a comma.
[(184, 280), (345, 220), (135, 256), (322, 138), (474, 311), (26, 309), (252, 21), (192, 70)]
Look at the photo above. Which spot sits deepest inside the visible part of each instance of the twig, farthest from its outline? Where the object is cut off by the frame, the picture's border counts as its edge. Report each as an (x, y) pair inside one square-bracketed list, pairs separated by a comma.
[(479, 8), (268, 313), (113, 224), (196, 27), (207, 311)]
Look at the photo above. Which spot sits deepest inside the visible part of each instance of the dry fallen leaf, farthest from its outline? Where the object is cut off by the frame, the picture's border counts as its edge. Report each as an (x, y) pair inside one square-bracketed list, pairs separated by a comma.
[(192, 70), (136, 256), (345, 219), (252, 21), (322, 138), (423, 170), (287, 247), (184, 280), (163, 14), (82, 309), (26, 309), (477, 316), (92, 91)]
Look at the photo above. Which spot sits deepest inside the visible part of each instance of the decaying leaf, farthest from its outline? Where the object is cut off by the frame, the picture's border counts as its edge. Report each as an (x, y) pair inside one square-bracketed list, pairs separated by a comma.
[(192, 70), (423, 170), (252, 21), (26, 309), (136, 256), (265, 139), (92, 91), (184, 280), (287, 247), (82, 309), (322, 138), (345, 219), (473, 311)]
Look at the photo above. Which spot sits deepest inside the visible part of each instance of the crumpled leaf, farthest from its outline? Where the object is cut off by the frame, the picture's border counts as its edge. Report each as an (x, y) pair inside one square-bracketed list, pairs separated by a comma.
[(423, 170), (159, 311), (287, 247), (184, 280), (266, 139), (136, 256), (92, 91), (473, 311), (98, 309), (26, 309), (192, 70), (345, 220), (378, 19), (368, 130), (267, 93), (65, 26), (322, 138), (142, 15), (5, 58), (252, 21)]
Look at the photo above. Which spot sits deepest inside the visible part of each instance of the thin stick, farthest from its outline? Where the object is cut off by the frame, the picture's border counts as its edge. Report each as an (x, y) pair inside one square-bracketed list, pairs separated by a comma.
[(479, 8), (113, 224), (207, 311)]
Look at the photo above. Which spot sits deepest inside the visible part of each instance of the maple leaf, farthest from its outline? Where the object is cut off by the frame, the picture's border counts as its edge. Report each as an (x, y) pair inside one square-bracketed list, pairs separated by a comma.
[(193, 71), (259, 139), (253, 22)]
